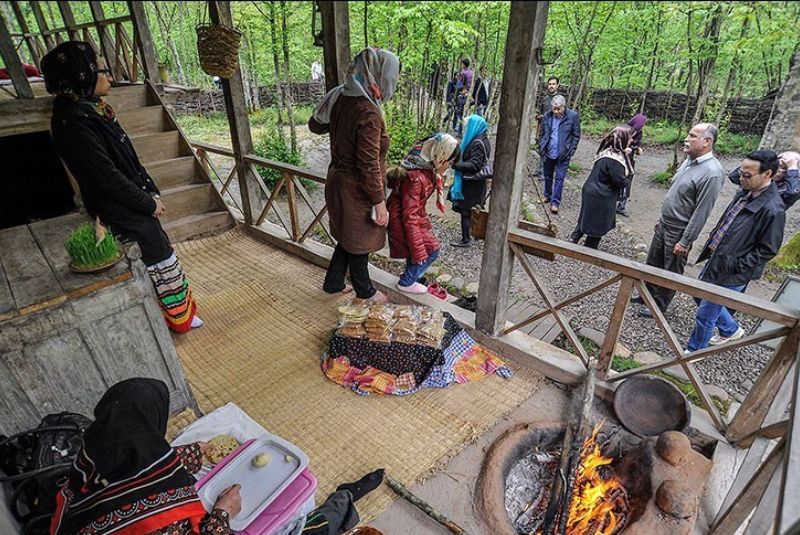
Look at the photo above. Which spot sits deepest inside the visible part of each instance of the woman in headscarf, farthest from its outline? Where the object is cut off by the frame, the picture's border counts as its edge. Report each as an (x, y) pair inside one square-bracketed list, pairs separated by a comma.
[(114, 184), (469, 186), (636, 123), (354, 190), (410, 229), (127, 480), (610, 173)]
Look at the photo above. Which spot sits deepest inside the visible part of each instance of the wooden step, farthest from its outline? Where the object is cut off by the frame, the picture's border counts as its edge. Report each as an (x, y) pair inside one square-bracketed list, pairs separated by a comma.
[(198, 226), (182, 201), (147, 120), (176, 172), (158, 147), (128, 97)]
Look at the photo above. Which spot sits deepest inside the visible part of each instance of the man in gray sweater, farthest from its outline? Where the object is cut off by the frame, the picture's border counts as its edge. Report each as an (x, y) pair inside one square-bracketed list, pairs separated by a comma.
[(694, 190)]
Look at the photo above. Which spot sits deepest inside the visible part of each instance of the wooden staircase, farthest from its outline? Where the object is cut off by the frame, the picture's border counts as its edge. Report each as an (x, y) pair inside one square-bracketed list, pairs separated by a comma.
[(194, 207)]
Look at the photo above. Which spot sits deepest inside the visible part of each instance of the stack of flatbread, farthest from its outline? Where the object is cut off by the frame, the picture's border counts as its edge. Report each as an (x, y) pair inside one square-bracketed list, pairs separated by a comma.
[(430, 329), (351, 321), (379, 323), (220, 447), (405, 324)]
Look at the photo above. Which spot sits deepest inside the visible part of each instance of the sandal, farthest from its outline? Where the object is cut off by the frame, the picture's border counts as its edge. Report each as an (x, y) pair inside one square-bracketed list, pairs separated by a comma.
[(437, 291)]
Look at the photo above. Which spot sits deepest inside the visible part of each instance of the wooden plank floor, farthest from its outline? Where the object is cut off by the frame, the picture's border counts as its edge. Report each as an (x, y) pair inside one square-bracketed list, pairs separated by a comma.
[(545, 329)]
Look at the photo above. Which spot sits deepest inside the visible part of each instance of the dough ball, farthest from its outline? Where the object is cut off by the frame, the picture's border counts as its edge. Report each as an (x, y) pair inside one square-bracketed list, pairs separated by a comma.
[(260, 461)]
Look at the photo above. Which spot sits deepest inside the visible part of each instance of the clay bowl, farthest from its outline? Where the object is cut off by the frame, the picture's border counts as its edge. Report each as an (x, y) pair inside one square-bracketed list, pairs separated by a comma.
[(648, 406)]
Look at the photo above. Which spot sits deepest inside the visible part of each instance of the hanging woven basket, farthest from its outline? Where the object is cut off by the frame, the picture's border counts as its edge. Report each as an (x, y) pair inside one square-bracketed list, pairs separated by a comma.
[(218, 49)]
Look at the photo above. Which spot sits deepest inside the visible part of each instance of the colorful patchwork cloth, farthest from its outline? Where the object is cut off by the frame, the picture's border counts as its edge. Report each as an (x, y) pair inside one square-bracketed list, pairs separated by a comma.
[(410, 367)]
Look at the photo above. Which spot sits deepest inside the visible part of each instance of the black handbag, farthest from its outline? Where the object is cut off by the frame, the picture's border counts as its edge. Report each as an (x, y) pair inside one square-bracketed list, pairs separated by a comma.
[(36, 463), (485, 172)]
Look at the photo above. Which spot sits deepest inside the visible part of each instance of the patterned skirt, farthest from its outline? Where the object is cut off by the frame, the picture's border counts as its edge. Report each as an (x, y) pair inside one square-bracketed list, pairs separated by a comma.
[(174, 295)]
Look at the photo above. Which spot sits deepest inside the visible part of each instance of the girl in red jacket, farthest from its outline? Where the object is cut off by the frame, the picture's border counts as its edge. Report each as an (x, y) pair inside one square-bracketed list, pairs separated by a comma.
[(410, 229)]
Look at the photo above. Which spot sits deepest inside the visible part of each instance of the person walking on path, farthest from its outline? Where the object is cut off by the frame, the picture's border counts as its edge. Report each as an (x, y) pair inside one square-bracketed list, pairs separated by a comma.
[(450, 98), (354, 190), (686, 207), (637, 124), (480, 93), (410, 229), (610, 173), (546, 104), (746, 237), (561, 133), (469, 185), (467, 75), (461, 103)]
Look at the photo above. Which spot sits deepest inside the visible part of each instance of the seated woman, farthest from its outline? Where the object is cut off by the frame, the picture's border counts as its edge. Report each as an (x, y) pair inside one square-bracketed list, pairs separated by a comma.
[(114, 184), (469, 187), (128, 480), (610, 173), (412, 184)]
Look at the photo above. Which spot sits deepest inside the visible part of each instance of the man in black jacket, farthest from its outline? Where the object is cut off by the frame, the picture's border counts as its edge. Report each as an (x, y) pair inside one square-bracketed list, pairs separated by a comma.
[(747, 236)]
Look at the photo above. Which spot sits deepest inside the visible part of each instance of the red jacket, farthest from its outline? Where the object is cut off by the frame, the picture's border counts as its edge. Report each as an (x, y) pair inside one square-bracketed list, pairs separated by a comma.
[(410, 228)]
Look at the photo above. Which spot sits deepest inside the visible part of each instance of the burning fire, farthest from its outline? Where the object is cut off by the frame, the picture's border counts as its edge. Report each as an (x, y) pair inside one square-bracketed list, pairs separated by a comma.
[(599, 502)]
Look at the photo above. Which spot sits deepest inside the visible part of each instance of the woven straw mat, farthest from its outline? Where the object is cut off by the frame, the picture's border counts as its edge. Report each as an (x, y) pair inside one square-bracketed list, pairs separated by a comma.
[(267, 322)]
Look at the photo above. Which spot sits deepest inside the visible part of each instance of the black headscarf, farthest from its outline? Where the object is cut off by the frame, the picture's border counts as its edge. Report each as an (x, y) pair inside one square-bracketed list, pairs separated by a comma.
[(70, 68), (126, 464)]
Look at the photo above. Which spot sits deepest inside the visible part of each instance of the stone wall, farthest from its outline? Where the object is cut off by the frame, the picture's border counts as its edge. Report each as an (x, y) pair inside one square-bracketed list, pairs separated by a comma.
[(203, 102)]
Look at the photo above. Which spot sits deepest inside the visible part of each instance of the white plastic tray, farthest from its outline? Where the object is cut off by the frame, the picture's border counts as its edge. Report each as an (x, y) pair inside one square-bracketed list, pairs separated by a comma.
[(260, 486)]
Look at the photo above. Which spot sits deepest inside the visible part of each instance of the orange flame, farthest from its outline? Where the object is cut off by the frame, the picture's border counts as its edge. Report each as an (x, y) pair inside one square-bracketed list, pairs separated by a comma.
[(598, 506)]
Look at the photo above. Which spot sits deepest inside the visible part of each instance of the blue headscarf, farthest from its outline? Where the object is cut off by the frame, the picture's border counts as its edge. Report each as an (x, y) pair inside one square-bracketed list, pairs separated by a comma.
[(475, 127)]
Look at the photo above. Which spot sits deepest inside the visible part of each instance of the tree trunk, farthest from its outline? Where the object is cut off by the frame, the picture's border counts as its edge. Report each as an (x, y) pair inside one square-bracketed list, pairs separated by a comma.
[(653, 60), (732, 72), (276, 67), (288, 78), (705, 68), (682, 124)]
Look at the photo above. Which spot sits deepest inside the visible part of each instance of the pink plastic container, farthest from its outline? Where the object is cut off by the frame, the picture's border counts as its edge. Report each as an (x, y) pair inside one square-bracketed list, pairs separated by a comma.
[(279, 511)]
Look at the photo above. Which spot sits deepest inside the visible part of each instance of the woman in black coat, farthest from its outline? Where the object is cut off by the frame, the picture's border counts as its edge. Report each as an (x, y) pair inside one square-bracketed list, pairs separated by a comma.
[(114, 184), (469, 187), (610, 173)]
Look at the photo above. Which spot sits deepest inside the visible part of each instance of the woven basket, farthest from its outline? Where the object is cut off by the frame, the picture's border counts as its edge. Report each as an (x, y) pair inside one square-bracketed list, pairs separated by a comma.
[(218, 49), (478, 219)]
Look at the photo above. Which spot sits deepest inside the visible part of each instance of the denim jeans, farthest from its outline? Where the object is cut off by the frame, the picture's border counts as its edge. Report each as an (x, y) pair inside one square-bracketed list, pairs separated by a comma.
[(555, 171), (710, 315), (414, 271)]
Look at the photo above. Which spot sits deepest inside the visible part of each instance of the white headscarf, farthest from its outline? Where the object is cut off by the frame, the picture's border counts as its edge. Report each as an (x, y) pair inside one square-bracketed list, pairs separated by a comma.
[(373, 75)]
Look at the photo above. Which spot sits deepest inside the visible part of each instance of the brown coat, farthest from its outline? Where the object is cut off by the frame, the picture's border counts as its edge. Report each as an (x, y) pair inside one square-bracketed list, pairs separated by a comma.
[(356, 174)]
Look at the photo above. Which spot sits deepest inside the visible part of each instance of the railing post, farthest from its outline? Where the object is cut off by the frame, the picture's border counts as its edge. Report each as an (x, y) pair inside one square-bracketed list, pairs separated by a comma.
[(30, 40), (143, 41), (291, 198), (788, 518), (336, 41), (614, 326), (106, 44), (49, 42), (525, 34), (69, 19), (12, 61)]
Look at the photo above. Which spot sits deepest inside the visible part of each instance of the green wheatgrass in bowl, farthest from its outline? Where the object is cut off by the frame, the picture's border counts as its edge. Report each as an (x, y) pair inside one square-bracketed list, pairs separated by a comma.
[(84, 251)]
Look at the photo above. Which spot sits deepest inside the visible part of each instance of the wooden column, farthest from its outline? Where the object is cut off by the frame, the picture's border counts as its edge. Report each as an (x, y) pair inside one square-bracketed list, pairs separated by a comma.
[(788, 502), (12, 61), (106, 43), (144, 42), (521, 73), (336, 41), (44, 29), (30, 40), (239, 122), (69, 20)]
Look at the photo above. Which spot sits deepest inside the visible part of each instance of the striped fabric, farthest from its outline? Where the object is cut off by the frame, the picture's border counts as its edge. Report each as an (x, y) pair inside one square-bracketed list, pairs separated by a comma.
[(174, 295), (716, 238)]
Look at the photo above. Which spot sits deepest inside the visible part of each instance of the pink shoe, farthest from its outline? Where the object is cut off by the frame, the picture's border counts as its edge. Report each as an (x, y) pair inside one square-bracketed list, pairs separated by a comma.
[(415, 288), (437, 291)]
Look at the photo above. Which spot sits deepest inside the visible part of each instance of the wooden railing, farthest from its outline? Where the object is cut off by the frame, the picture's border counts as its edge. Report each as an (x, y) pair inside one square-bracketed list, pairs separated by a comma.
[(290, 183)]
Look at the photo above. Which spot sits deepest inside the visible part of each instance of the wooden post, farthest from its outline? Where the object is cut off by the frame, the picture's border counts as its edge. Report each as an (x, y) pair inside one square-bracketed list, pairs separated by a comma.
[(757, 403), (521, 72), (69, 20), (11, 59), (336, 41), (614, 326), (106, 43), (144, 42), (239, 122), (788, 518), (30, 40), (44, 29)]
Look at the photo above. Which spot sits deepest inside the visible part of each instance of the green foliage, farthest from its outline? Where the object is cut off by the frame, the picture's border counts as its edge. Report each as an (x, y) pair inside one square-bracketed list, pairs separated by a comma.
[(85, 253), (403, 132), (620, 364), (662, 177), (574, 168), (272, 146), (788, 259)]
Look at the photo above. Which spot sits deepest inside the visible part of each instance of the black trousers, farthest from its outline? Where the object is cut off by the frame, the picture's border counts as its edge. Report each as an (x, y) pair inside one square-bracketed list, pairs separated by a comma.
[(358, 264), (465, 224), (335, 516), (590, 241), (660, 255)]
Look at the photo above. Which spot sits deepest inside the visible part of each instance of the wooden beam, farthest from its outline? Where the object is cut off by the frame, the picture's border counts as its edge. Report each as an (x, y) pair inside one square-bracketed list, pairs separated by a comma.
[(757, 403), (239, 122), (30, 39), (788, 517), (520, 81), (106, 43), (49, 42), (614, 327), (69, 20), (143, 41), (12, 61), (336, 41)]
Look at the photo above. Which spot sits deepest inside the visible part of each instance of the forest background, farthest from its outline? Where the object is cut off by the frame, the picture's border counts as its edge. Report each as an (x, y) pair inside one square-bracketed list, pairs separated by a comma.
[(716, 51)]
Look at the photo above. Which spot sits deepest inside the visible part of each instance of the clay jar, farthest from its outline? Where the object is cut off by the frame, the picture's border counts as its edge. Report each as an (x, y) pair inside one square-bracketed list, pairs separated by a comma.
[(674, 447)]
